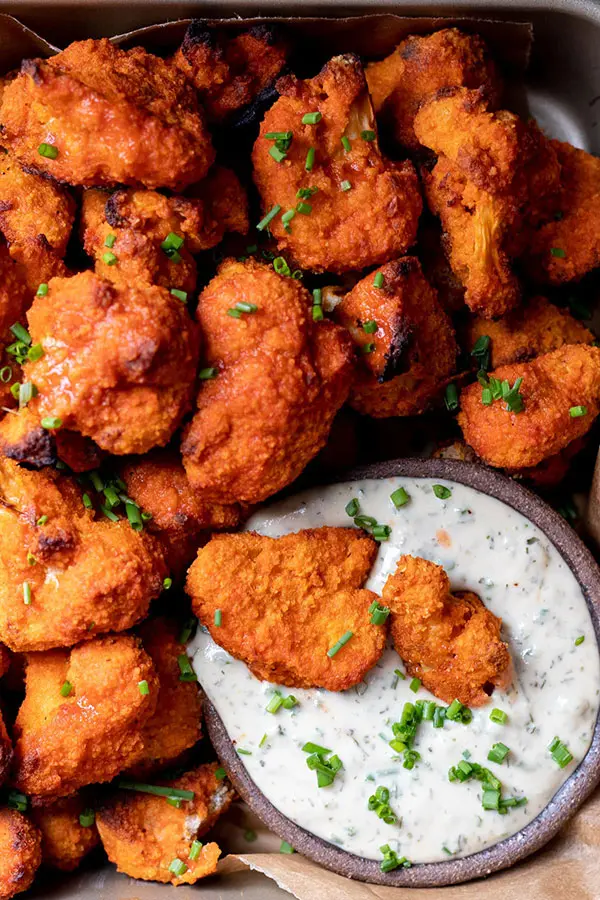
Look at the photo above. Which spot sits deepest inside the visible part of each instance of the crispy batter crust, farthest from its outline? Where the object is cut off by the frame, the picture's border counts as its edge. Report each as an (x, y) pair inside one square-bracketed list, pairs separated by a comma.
[(450, 641), (65, 841), (286, 601), (20, 853)]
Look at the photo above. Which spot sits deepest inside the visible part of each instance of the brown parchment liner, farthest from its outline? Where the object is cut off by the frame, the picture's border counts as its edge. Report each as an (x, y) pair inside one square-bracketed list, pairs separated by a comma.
[(569, 867)]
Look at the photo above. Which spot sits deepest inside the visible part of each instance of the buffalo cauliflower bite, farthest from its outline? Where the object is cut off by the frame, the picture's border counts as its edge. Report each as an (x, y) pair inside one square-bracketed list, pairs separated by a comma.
[(144, 835), (64, 575), (65, 840), (285, 602), (135, 224), (20, 853), (118, 363), (560, 396), (568, 246), (174, 726), (405, 340), (535, 328), (230, 71), (13, 303), (108, 116), (66, 739), (182, 517), (280, 379), (419, 67), (451, 642), (365, 209)]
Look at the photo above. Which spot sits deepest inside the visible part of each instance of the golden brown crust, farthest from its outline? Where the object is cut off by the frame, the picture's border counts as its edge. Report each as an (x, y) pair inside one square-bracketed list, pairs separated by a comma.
[(451, 642), (59, 746), (114, 116), (414, 347), (552, 384), (85, 576), (286, 601), (281, 379), (143, 834), (65, 841), (373, 220), (20, 853)]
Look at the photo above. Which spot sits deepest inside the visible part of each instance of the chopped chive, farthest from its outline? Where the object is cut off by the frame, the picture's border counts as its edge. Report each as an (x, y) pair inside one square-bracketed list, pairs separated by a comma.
[(243, 752), (289, 702), (381, 532), (339, 644), (306, 193), (370, 327), (42, 521), (486, 397), (207, 374), (35, 352), (277, 154), (288, 216), (579, 640), (560, 753), (220, 774), (498, 716), (21, 333), (454, 710), (48, 150), (177, 867), (558, 252), (195, 850), (311, 118), (399, 497), (415, 685), (379, 613), (66, 689), (110, 241), (352, 507), (250, 835), (143, 688), (26, 593), (274, 703), (185, 668), (5, 374), (17, 800), (345, 185), (368, 135), (317, 313), (490, 799), (441, 492), (576, 411), (309, 747), (379, 280), (281, 267), (498, 752), (134, 516), (159, 791), (263, 740), (87, 818), (167, 584), (451, 398), (110, 515), (365, 349), (304, 209), (109, 258), (218, 618), (310, 159), (439, 717), (42, 290), (51, 422), (31, 560), (346, 144), (186, 631), (269, 217), (181, 295), (240, 308), (172, 242), (286, 848), (279, 135)]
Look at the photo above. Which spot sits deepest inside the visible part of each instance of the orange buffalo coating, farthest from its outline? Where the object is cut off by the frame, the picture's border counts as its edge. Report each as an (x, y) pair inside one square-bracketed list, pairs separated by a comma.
[(536, 328), (143, 834), (286, 601), (366, 209), (421, 66), (64, 743), (405, 339), (495, 177), (20, 853), (568, 246), (85, 576), (552, 385), (181, 516), (65, 841), (230, 71), (114, 116), (451, 642), (119, 362), (281, 377), (135, 223), (174, 726)]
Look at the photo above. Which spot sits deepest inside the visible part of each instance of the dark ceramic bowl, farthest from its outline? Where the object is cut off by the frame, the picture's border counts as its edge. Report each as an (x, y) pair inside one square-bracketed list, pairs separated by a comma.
[(564, 803)]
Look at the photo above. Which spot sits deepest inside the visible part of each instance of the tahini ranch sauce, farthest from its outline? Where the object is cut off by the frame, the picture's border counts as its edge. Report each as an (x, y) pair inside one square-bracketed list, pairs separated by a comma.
[(485, 547)]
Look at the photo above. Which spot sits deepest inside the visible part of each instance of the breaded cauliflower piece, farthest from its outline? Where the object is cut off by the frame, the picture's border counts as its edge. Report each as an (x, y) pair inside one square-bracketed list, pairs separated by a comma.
[(65, 576), (552, 386), (286, 601), (230, 71), (419, 67), (568, 246), (37, 262), (65, 841), (281, 377), (405, 340), (366, 209), (537, 327), (119, 362), (182, 518), (111, 116), (20, 852), (13, 303), (451, 642), (174, 726), (144, 835), (63, 743), (135, 224)]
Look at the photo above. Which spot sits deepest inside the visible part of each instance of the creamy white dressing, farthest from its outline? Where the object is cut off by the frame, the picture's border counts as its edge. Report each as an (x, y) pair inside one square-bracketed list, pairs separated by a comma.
[(486, 547)]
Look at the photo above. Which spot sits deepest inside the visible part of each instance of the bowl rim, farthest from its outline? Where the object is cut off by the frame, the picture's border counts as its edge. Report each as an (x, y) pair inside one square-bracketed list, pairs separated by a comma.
[(565, 802)]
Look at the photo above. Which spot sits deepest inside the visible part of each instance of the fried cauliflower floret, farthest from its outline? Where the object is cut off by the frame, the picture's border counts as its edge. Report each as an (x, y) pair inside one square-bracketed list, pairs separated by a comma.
[(135, 223), (536, 328), (13, 303), (451, 642), (63, 743), (568, 246), (20, 853), (366, 209), (37, 262), (230, 71), (281, 379), (113, 116), (119, 362), (552, 385), (182, 517), (83, 576), (286, 601), (174, 726), (405, 340), (421, 66), (142, 834), (65, 841)]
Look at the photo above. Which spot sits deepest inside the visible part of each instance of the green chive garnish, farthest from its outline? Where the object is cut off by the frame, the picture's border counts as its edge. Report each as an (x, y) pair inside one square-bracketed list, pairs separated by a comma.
[(268, 218), (143, 687), (134, 516), (441, 492), (310, 159), (415, 684), (379, 280), (368, 135), (498, 753), (42, 290), (167, 584), (17, 800), (560, 753), (51, 422), (304, 208), (218, 618), (274, 703), (5, 374), (66, 689), (311, 118), (207, 374), (159, 791), (399, 497), (339, 644), (220, 774), (181, 295), (35, 352), (451, 398), (109, 258), (345, 186), (558, 252), (498, 716), (346, 144), (195, 850), (87, 818), (185, 668), (579, 640), (317, 313), (352, 507), (379, 613), (277, 154), (48, 150), (42, 521), (576, 411), (286, 848), (26, 593), (177, 867)]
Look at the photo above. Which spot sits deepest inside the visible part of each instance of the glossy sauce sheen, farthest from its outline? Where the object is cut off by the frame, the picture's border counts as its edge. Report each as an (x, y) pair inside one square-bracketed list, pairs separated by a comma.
[(486, 547)]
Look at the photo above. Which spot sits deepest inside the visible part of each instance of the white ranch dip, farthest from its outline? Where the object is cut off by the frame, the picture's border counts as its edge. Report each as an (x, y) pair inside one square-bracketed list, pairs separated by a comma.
[(486, 547)]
